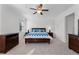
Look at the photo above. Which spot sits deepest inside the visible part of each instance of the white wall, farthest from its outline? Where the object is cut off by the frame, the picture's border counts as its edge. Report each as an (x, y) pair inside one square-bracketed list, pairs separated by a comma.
[(0, 19), (10, 20), (60, 31), (39, 21)]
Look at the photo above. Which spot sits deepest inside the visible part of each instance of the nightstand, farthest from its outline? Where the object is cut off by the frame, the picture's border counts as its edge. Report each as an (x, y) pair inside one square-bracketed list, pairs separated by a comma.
[(50, 33)]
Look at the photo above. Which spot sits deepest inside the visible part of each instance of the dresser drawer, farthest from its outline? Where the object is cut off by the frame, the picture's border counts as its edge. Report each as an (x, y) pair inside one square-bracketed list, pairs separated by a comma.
[(8, 41), (74, 42)]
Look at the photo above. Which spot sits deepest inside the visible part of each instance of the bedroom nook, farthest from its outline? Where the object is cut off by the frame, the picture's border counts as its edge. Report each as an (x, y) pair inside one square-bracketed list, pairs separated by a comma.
[(39, 29)]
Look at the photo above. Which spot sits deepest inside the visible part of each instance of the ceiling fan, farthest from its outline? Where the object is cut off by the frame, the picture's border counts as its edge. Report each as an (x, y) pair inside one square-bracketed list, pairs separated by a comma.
[(39, 9)]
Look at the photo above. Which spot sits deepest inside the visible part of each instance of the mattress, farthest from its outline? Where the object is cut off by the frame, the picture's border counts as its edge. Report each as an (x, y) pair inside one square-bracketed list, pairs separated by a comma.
[(38, 35)]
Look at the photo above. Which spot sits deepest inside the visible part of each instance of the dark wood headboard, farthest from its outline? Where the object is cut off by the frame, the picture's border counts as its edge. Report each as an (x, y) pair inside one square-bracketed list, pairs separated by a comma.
[(38, 29)]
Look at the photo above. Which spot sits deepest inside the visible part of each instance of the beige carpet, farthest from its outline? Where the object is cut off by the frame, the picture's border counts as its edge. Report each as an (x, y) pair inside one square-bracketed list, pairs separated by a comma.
[(56, 47)]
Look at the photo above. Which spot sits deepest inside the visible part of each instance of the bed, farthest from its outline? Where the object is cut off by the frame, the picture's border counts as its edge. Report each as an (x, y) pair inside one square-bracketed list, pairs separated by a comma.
[(37, 35)]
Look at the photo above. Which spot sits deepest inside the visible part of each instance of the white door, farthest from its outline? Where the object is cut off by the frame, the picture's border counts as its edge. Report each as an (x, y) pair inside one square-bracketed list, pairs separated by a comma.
[(69, 25)]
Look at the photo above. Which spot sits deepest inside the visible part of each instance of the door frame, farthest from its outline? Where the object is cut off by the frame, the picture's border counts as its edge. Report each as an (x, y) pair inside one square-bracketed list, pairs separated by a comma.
[(66, 35)]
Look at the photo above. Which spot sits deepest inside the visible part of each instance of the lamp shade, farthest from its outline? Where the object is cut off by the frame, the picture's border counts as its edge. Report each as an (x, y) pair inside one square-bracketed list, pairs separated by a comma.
[(49, 28)]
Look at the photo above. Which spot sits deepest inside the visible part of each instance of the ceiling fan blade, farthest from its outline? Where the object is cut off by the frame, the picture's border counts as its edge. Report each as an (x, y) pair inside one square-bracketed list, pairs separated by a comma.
[(45, 10), (41, 13), (33, 8), (34, 12)]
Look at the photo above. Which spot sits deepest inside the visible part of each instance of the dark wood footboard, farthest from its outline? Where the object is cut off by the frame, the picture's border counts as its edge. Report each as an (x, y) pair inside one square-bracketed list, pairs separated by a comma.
[(37, 40)]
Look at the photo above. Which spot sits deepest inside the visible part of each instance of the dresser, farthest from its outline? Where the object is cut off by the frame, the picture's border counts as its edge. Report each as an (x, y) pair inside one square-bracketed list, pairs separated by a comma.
[(74, 42), (7, 42)]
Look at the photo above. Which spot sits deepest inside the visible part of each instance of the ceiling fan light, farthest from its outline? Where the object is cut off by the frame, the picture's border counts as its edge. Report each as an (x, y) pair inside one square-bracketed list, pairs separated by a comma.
[(39, 12)]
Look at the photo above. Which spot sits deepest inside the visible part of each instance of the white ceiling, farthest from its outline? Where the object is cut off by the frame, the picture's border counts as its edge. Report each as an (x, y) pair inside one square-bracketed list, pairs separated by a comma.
[(54, 9)]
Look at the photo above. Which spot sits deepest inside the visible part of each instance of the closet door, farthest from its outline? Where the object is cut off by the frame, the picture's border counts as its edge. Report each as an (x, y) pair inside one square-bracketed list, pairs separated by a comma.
[(69, 25)]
